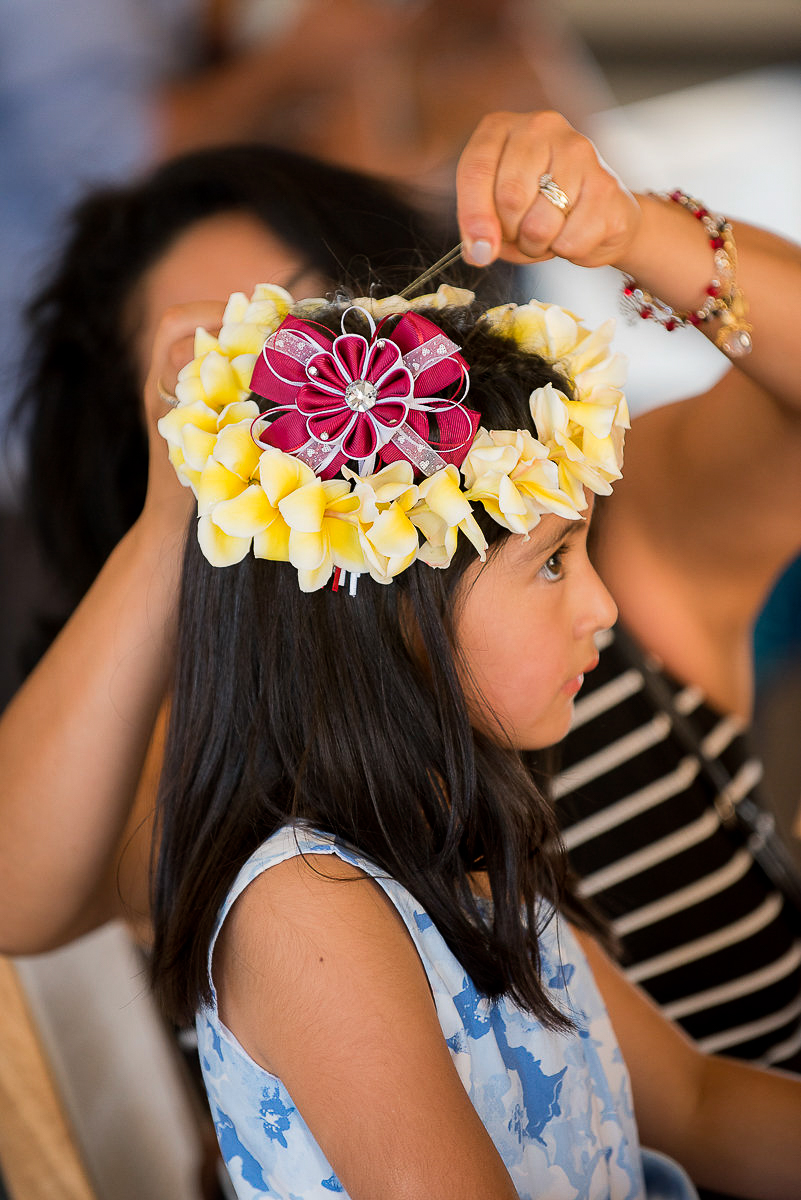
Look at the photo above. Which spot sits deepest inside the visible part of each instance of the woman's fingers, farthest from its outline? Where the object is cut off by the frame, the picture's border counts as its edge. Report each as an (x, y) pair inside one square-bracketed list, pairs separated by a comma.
[(540, 147), (173, 348), (530, 187), (476, 175), (498, 184)]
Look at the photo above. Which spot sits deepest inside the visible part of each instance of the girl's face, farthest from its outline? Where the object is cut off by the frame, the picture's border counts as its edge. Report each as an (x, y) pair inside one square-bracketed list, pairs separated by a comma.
[(526, 628)]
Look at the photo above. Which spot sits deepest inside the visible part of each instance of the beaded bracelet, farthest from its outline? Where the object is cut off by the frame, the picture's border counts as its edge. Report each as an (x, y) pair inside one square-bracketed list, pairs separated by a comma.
[(724, 299)]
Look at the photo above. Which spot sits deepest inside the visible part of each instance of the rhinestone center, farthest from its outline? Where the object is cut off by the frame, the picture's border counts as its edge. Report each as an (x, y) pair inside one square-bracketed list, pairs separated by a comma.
[(360, 395)]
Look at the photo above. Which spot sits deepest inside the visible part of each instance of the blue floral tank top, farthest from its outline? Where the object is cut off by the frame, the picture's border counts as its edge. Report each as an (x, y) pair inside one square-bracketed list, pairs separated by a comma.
[(557, 1106)]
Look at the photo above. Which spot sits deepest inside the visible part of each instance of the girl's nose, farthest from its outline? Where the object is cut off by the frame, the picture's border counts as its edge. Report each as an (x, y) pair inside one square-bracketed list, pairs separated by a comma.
[(599, 610)]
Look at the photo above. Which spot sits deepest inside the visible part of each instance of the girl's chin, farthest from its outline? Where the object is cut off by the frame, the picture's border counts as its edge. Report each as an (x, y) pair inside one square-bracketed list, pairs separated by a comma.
[(545, 736)]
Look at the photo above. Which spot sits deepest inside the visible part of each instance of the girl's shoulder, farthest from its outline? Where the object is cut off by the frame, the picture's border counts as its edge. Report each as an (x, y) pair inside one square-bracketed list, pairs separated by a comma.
[(303, 882), (295, 879), (299, 860), (295, 840)]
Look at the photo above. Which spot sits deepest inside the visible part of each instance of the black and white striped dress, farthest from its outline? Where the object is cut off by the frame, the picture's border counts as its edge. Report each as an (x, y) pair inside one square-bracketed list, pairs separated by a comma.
[(703, 928)]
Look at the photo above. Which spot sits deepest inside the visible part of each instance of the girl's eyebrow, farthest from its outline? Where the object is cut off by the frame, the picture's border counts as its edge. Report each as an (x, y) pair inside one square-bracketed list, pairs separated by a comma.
[(564, 528), (526, 552)]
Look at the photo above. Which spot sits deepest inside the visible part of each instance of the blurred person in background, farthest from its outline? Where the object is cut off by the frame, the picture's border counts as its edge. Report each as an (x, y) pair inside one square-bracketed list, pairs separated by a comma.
[(98, 91), (404, 105)]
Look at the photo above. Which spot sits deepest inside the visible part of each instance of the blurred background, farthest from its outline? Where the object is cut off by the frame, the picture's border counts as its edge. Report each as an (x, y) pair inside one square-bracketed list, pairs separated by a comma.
[(704, 97), (647, 50)]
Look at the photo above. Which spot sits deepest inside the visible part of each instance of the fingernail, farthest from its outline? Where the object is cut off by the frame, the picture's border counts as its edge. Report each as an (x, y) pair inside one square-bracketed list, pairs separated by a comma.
[(480, 252)]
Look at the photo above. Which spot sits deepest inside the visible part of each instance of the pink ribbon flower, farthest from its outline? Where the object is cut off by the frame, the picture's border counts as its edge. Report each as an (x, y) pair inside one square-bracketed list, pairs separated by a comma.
[(354, 398)]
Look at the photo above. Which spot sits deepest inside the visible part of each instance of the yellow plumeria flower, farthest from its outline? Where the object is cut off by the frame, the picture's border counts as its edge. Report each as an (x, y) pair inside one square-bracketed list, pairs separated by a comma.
[(581, 467), (376, 492), (389, 544), (388, 538), (579, 435), (183, 429), (218, 547), (232, 456), (310, 306), (444, 297), (236, 509), (247, 322), (596, 373), (243, 520), (323, 530), (512, 475), (279, 476), (583, 355), (544, 329), (235, 447), (444, 509)]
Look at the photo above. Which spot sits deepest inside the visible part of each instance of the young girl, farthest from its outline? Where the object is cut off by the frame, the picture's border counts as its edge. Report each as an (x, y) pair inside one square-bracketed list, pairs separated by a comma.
[(358, 890)]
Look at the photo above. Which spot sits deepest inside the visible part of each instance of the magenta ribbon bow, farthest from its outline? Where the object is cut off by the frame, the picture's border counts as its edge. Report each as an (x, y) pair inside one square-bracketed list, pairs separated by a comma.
[(353, 398)]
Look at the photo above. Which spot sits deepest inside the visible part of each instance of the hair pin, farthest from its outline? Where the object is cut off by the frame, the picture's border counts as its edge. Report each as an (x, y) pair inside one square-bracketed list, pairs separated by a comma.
[(433, 270)]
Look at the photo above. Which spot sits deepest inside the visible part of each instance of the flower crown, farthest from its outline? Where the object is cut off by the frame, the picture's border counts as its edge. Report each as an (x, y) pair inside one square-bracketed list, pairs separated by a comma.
[(277, 481)]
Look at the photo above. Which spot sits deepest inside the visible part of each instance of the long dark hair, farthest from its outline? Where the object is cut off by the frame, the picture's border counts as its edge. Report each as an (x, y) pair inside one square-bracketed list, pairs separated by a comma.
[(324, 708), (85, 489)]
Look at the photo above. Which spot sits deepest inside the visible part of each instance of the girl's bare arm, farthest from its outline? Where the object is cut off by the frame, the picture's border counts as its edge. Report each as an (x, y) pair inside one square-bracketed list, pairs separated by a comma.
[(319, 980)]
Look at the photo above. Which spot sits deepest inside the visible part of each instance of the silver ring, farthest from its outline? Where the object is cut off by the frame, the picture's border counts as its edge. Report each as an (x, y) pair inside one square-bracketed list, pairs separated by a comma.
[(166, 396), (554, 194)]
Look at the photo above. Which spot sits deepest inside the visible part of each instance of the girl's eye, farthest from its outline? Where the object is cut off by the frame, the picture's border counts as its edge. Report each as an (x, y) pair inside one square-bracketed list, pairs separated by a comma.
[(553, 567)]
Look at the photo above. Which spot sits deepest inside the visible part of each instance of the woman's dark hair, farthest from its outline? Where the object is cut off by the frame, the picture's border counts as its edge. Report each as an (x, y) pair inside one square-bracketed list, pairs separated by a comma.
[(328, 709), (86, 489)]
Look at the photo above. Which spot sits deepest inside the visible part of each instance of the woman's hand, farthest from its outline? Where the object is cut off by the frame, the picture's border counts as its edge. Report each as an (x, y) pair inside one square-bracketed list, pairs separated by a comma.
[(503, 212), (166, 499)]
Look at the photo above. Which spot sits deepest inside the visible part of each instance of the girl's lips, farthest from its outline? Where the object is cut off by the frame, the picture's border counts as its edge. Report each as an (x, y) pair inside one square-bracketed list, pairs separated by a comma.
[(574, 685)]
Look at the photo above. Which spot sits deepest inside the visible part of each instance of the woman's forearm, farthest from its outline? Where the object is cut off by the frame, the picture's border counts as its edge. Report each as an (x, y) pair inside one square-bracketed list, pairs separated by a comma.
[(596, 221), (75, 739), (73, 742), (671, 256)]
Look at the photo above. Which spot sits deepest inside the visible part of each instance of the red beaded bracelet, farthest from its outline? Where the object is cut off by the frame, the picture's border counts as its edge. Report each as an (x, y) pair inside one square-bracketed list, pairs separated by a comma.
[(725, 299)]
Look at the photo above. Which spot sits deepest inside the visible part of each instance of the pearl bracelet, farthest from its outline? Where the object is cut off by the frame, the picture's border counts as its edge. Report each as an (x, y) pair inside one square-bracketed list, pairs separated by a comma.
[(724, 301)]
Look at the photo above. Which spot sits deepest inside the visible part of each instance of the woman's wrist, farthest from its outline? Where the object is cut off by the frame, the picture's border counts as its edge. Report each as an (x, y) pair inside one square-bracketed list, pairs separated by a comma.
[(670, 253), (722, 314), (152, 553), (168, 504)]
